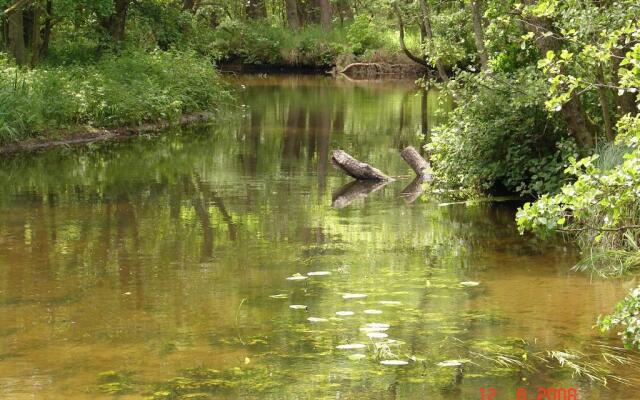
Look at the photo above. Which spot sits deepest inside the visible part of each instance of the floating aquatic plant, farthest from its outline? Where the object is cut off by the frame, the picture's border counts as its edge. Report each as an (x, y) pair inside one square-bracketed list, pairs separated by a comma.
[(354, 296), (297, 277), (319, 273), (317, 319), (344, 313), (351, 346), (394, 362)]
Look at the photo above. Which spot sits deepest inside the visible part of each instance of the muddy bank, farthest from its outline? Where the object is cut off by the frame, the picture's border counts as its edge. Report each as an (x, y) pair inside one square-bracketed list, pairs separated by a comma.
[(91, 135)]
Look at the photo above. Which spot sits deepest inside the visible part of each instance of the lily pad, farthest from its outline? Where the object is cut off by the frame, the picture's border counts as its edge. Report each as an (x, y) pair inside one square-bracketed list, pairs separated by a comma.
[(378, 325), (351, 346), (390, 302), (394, 362), (319, 273), (279, 296), (373, 329), (372, 311), (298, 307), (297, 277), (317, 319), (357, 357), (469, 283), (344, 313), (377, 335), (354, 296), (450, 363)]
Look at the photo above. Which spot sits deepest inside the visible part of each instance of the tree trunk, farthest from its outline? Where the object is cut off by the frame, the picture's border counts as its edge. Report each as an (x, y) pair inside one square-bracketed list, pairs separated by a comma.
[(604, 105), (478, 32), (421, 166), (426, 18), (115, 23), (403, 46), (36, 39), (188, 5), (15, 35), (309, 12), (46, 34), (572, 111), (357, 169), (325, 14), (625, 102), (255, 9), (293, 18), (344, 10)]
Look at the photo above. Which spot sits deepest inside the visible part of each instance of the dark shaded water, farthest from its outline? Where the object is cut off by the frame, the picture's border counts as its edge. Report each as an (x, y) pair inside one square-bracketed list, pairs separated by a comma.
[(157, 267)]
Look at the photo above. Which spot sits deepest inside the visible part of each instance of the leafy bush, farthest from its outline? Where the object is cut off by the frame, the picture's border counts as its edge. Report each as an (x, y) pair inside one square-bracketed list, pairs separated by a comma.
[(259, 43), (363, 35), (500, 137), (601, 206), (130, 89), (626, 319), (249, 43)]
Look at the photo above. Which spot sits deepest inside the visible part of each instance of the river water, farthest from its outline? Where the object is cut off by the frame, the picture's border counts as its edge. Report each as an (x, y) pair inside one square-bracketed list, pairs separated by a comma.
[(156, 267)]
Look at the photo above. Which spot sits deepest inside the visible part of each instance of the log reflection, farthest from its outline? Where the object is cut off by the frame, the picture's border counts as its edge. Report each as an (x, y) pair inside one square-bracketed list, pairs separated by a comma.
[(413, 190), (355, 190)]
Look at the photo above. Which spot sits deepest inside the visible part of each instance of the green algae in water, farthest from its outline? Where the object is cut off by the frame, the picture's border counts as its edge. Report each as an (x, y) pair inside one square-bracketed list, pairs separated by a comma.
[(115, 382)]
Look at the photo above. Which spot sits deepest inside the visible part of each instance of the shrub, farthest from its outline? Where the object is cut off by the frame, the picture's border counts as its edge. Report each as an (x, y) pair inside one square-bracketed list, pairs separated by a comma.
[(363, 34), (626, 319), (500, 138), (130, 89)]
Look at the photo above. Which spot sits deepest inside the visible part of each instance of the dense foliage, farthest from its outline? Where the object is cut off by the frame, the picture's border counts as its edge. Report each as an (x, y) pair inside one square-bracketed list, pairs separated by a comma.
[(500, 139), (133, 88), (626, 319)]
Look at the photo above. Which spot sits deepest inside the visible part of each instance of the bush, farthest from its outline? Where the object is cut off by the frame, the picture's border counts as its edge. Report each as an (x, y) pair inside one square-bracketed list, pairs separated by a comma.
[(363, 35), (626, 319), (500, 138), (132, 88), (259, 43)]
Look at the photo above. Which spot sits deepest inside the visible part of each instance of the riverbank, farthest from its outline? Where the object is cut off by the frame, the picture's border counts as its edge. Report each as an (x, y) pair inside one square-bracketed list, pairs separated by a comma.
[(92, 135), (115, 96)]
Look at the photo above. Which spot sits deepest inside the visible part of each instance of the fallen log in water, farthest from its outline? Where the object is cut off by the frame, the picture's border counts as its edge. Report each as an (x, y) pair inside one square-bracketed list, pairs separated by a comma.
[(417, 163), (357, 169), (355, 190)]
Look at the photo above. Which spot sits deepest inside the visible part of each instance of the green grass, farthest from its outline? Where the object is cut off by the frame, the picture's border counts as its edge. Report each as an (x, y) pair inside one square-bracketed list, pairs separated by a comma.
[(129, 89), (259, 43)]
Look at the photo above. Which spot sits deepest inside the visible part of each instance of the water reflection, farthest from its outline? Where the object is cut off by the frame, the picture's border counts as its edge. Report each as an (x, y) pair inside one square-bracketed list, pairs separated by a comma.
[(159, 255)]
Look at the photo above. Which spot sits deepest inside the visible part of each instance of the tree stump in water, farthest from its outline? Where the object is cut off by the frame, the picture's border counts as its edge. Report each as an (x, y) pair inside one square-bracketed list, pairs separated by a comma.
[(357, 169), (417, 163)]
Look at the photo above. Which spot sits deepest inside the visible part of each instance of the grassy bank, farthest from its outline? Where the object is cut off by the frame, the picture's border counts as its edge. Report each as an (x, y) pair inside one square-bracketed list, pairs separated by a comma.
[(362, 40), (130, 89)]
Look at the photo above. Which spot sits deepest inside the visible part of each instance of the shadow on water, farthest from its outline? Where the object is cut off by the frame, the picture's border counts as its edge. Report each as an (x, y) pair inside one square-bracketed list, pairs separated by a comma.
[(157, 267)]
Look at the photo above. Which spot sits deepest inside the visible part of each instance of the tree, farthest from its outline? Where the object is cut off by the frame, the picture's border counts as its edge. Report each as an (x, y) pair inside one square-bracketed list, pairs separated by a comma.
[(255, 9), (325, 14), (115, 23), (426, 21), (293, 16), (15, 32), (478, 32), (548, 42)]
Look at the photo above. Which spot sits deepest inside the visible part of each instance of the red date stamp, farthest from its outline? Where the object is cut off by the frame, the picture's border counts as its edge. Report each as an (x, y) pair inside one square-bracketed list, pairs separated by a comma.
[(543, 393)]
